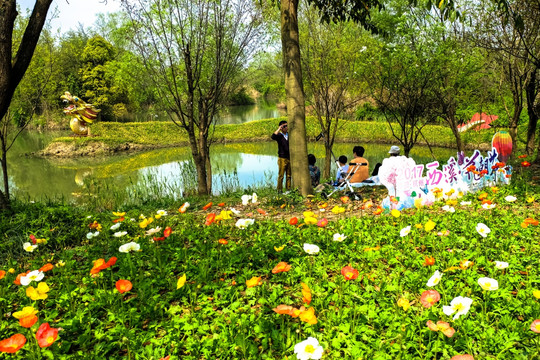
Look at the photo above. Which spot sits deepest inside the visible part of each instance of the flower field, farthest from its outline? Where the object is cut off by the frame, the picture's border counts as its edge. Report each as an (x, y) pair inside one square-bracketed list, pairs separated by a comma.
[(253, 279)]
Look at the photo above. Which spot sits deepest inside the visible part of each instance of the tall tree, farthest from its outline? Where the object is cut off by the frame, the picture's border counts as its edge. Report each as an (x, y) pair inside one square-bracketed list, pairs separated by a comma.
[(14, 60), (195, 51)]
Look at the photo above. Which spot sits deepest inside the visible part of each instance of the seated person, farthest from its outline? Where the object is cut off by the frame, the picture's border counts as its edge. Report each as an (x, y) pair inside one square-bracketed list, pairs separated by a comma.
[(341, 172), (314, 171), (361, 173)]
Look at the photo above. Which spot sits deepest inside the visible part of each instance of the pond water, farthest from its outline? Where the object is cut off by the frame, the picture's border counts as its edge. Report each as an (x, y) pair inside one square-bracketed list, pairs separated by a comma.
[(234, 166)]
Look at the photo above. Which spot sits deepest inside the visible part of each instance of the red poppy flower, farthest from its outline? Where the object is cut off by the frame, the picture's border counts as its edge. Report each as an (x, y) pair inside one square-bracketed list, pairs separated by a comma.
[(429, 298), (522, 156), (281, 267), (223, 241), (12, 344), (33, 239), (47, 267), (123, 286), (46, 335), (525, 164), (167, 232), (210, 218), (207, 206), (293, 221), (429, 261), (349, 273), (28, 321), (221, 204), (119, 219), (322, 223), (483, 172), (159, 238)]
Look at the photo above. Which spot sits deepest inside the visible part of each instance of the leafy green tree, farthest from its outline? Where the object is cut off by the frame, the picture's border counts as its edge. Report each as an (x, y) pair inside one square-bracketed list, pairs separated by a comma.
[(15, 56), (194, 52), (98, 88), (333, 53)]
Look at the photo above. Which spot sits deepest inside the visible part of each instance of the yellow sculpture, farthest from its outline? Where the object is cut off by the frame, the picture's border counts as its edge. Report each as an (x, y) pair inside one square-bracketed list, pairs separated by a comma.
[(82, 112)]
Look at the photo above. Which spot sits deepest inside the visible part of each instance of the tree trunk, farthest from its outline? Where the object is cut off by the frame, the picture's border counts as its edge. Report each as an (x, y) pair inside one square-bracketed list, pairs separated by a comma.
[(531, 91), (199, 158), (4, 196), (327, 161), (457, 135), (294, 89), (512, 127)]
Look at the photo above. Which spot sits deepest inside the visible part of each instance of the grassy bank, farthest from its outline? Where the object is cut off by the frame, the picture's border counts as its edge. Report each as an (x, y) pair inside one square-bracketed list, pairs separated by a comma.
[(114, 136), (225, 307)]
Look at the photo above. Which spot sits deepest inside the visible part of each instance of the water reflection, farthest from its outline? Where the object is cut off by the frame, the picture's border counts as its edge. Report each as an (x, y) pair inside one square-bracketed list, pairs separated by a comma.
[(234, 165)]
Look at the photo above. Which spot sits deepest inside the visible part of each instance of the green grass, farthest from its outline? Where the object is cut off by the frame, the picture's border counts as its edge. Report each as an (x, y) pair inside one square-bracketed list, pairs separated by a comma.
[(215, 316), (164, 134)]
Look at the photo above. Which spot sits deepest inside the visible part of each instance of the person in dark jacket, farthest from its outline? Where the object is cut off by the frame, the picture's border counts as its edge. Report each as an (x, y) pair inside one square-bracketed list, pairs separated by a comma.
[(281, 135)]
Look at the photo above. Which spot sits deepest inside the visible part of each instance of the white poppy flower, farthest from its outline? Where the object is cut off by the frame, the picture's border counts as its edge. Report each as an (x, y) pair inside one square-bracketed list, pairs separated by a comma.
[(116, 226), (162, 213), (339, 237), (465, 203), (488, 206), (449, 208), (91, 235), (510, 198), (35, 275), (119, 233), (311, 249), (482, 229), (405, 231), (254, 198), (28, 247), (245, 199), (434, 279), (459, 306), (488, 283), (153, 231), (501, 265), (244, 223), (308, 349), (235, 212), (129, 247)]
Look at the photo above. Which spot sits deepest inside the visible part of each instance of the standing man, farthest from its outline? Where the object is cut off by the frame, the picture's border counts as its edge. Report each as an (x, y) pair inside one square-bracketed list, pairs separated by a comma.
[(281, 135)]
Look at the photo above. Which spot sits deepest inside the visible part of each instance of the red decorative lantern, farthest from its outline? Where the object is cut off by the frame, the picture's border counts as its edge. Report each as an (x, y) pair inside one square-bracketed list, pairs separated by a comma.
[(502, 142)]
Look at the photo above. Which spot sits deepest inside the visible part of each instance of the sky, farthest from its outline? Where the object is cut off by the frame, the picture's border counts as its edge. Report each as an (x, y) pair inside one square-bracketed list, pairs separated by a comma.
[(72, 12)]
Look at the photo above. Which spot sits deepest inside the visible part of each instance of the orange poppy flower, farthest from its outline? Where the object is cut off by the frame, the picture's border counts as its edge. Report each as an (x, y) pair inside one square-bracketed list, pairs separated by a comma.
[(285, 310), (100, 264), (223, 241), (17, 280), (306, 293), (123, 286), (28, 321), (262, 212), (95, 225), (210, 218), (12, 344), (486, 201), (46, 335), (120, 219), (462, 357), (378, 211), (429, 261), (166, 357), (442, 326), (344, 199), (47, 267), (207, 206), (308, 316), (182, 209), (159, 238), (322, 223), (471, 168), (281, 267), (293, 221), (522, 156), (349, 273), (429, 298), (2, 274), (529, 221), (482, 196), (254, 281), (222, 204)]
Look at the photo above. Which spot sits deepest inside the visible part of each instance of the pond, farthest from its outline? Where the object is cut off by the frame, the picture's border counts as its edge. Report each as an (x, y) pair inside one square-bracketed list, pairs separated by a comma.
[(166, 171)]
